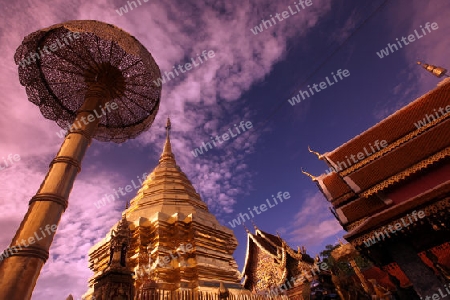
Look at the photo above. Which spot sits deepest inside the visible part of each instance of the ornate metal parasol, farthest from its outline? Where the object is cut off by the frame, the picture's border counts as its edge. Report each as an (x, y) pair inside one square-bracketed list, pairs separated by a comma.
[(98, 78), (89, 53)]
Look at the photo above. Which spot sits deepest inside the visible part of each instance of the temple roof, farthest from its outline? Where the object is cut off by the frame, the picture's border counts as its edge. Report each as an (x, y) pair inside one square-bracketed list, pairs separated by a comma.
[(409, 149), (389, 129), (274, 246)]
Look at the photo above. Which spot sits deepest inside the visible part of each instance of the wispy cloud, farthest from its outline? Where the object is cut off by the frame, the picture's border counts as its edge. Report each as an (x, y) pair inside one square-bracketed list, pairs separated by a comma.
[(313, 223), (201, 102)]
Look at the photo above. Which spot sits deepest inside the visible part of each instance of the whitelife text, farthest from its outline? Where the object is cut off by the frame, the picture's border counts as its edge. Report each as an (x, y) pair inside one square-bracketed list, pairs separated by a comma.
[(263, 207), (315, 87), (225, 137), (411, 38), (360, 156)]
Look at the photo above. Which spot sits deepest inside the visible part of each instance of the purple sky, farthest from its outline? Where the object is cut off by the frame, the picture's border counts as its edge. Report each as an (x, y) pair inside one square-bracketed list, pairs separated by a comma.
[(250, 78)]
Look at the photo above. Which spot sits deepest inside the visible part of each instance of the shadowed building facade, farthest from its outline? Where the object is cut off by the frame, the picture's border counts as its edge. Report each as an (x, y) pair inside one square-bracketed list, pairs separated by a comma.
[(394, 200)]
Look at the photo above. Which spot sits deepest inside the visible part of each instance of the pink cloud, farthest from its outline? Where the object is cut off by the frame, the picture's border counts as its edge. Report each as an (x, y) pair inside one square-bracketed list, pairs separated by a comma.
[(313, 223)]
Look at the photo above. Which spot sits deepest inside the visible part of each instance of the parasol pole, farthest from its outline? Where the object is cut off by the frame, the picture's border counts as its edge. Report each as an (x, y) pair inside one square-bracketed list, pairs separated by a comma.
[(20, 271), (119, 69)]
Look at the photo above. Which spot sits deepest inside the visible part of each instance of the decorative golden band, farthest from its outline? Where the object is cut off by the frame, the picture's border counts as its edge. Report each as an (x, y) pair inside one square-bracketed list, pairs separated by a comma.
[(406, 173), (68, 160), (51, 197), (31, 251), (82, 132)]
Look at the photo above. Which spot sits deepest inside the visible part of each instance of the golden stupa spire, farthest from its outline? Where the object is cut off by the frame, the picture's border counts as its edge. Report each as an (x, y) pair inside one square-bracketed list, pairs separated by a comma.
[(436, 71), (168, 126), (167, 155)]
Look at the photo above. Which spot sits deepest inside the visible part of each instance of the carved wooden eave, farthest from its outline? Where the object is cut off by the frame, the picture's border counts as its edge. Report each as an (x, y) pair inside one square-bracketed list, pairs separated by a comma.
[(424, 164), (433, 211), (279, 257)]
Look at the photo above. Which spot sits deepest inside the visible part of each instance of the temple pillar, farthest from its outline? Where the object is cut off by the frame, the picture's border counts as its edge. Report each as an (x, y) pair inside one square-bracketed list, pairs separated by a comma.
[(424, 280)]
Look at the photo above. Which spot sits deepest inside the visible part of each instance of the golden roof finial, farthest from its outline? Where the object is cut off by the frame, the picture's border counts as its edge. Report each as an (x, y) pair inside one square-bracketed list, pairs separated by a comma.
[(436, 71), (254, 225), (245, 227), (127, 205), (319, 156), (278, 235), (309, 175)]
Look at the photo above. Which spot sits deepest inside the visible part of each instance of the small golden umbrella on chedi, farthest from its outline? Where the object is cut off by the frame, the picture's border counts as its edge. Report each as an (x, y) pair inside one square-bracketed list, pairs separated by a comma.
[(97, 77)]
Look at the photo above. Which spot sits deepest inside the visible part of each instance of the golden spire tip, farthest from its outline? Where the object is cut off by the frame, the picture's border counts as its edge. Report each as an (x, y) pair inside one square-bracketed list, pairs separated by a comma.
[(168, 126), (436, 71)]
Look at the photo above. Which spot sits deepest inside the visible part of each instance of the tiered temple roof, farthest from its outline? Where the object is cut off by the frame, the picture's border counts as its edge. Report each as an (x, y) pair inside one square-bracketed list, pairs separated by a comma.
[(394, 199), (270, 262), (358, 191)]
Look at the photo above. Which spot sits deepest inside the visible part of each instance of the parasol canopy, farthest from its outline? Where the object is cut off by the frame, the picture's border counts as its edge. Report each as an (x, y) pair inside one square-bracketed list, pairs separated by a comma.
[(59, 63)]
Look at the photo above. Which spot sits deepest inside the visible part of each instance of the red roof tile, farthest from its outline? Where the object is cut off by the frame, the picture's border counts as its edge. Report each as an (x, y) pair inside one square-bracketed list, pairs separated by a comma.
[(396, 125), (425, 145)]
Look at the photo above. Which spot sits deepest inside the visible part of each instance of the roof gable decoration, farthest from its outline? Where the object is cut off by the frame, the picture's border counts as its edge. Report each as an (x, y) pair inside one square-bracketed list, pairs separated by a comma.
[(276, 248), (281, 253), (279, 258)]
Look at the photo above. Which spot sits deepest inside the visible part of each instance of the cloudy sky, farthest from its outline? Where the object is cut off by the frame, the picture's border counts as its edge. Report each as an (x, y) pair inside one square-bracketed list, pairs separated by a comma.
[(250, 78)]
